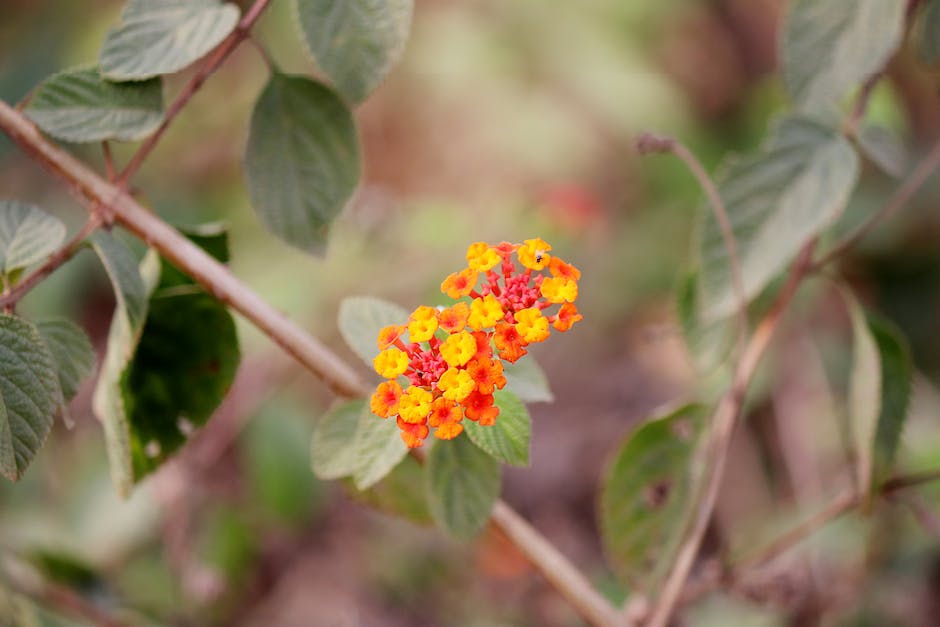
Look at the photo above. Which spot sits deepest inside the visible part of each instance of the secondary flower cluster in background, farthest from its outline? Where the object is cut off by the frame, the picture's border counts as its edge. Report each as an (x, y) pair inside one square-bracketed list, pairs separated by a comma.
[(453, 356)]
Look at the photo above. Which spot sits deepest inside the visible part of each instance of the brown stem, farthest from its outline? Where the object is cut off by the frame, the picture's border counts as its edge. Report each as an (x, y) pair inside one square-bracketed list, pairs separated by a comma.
[(307, 350), (108, 161), (211, 64), (715, 452)]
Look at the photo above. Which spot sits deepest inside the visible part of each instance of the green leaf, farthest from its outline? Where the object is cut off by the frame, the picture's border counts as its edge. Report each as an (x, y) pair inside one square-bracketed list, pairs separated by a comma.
[(164, 36), (830, 46), (879, 394), (708, 343), (333, 446), (508, 440), (80, 106), (130, 290), (399, 492), (212, 237), (29, 394), (646, 496), (302, 160), (927, 32), (27, 235), (184, 364), (776, 201), (360, 320), (71, 351), (355, 42), (884, 149), (462, 486), (379, 448), (528, 381)]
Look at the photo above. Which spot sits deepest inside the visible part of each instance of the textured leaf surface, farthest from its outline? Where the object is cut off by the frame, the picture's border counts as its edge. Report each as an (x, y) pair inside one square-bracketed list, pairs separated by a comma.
[(27, 235), (29, 394), (400, 492), (360, 320), (355, 42), (885, 150), (302, 160), (379, 448), (527, 380), (646, 495), (776, 200), (71, 351), (508, 440), (463, 484), (163, 36), (830, 46), (80, 106), (333, 448)]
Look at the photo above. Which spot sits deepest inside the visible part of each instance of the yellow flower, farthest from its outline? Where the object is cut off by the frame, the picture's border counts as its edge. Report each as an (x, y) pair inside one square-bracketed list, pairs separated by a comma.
[(485, 312), (559, 290), (531, 325), (422, 324), (481, 257), (391, 362), (458, 349), (534, 253), (414, 405), (456, 384)]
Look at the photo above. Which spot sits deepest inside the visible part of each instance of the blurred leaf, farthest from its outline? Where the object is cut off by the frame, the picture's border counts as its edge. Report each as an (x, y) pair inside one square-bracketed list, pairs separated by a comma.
[(462, 485), (17, 610), (884, 149), (528, 381), (927, 32), (80, 106), (164, 36), (399, 492), (830, 46), (646, 496), (708, 343), (360, 320), (355, 42), (27, 235), (302, 160), (333, 447), (29, 394), (71, 351), (777, 201), (509, 439), (67, 570), (379, 448)]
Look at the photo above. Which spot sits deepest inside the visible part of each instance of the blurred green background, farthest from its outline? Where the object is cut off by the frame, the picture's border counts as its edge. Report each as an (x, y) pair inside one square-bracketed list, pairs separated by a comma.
[(506, 119)]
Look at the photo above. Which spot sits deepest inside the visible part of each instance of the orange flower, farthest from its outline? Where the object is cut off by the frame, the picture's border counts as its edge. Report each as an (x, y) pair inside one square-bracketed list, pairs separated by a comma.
[(384, 401), (510, 344), (484, 349), (458, 349), (481, 257), (454, 319), (446, 416), (414, 405), (567, 316), (455, 384), (487, 374), (485, 312), (422, 324), (412, 434), (389, 335), (531, 325), (534, 253), (460, 283), (559, 290), (479, 407), (560, 269), (391, 362)]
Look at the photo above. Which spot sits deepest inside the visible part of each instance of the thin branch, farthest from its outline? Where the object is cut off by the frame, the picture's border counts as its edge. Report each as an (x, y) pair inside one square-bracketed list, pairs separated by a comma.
[(303, 347), (715, 452), (12, 296), (648, 143), (850, 128), (211, 64)]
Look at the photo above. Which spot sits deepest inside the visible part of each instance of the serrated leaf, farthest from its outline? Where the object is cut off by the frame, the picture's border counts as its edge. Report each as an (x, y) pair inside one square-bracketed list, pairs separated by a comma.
[(71, 351), (333, 446), (777, 200), (528, 381), (884, 149), (508, 440), (362, 317), (301, 161), (80, 106), (27, 235), (399, 492), (355, 42), (462, 483), (646, 496), (830, 46), (164, 36), (29, 394), (379, 448)]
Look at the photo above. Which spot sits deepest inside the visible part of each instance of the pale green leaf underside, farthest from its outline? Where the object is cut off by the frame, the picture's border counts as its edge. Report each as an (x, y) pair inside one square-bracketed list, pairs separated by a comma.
[(645, 496), (29, 394), (830, 46), (528, 381), (463, 484), (164, 36), (508, 440), (27, 235), (885, 149), (80, 106), (301, 161), (360, 320), (777, 200), (355, 42), (379, 448), (71, 351)]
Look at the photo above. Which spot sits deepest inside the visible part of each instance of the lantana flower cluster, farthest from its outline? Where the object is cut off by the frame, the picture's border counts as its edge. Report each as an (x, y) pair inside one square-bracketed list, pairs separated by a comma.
[(505, 300)]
